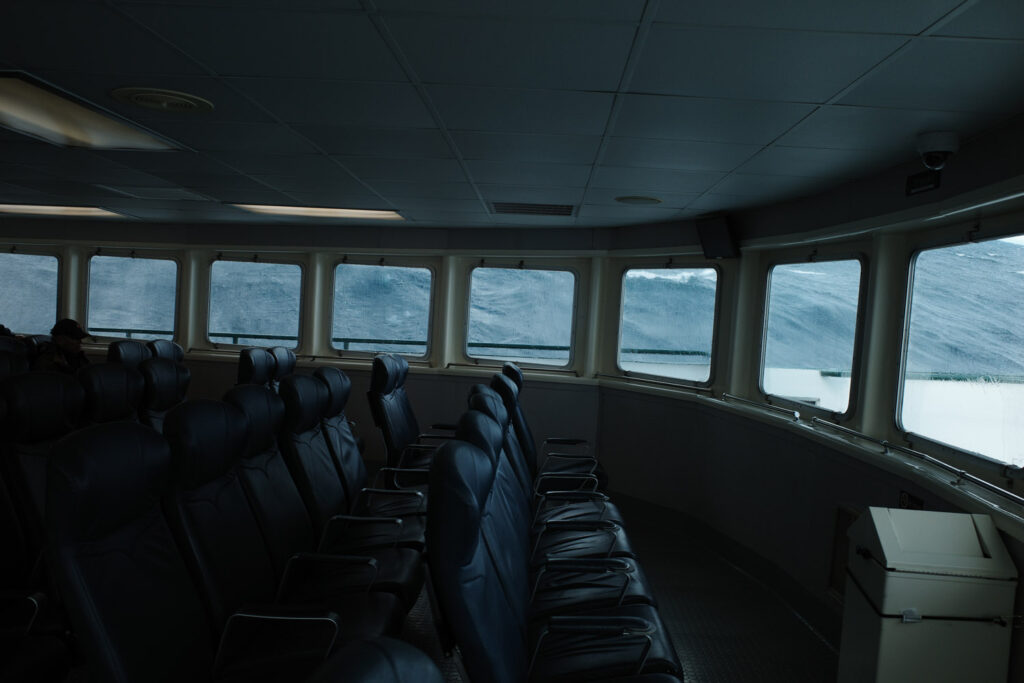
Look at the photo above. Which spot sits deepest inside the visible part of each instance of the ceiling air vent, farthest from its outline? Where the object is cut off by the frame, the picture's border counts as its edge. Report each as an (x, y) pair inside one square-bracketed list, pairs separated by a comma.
[(162, 100), (533, 209)]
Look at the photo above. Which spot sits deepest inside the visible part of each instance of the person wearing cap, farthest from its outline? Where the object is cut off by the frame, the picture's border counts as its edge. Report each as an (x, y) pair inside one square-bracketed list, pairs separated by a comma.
[(64, 353)]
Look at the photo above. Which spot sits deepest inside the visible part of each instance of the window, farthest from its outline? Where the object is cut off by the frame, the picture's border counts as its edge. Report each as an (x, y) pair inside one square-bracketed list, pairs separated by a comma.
[(963, 381), (521, 315), (29, 303), (381, 308), (810, 332), (132, 297), (668, 321), (255, 303)]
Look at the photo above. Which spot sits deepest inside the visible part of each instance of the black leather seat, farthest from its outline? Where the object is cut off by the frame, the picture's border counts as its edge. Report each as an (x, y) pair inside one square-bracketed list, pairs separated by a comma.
[(128, 352), (319, 476), (255, 366), (163, 348), (113, 392), (210, 515), (284, 364), (13, 362), (381, 660), (165, 385), (131, 597), (281, 512)]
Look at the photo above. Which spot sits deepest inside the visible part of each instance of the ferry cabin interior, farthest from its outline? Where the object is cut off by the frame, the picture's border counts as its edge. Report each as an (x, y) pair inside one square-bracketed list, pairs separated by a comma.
[(734, 140)]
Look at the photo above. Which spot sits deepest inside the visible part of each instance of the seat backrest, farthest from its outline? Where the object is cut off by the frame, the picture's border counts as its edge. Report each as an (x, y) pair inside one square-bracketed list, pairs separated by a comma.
[(128, 352), (208, 510), (164, 348), (165, 385), (284, 364), (35, 344), (509, 393), (305, 449), (466, 583), (276, 501), (484, 399), (255, 366), (378, 660), (113, 392), (13, 345), (389, 404), (13, 363), (128, 594), (340, 440)]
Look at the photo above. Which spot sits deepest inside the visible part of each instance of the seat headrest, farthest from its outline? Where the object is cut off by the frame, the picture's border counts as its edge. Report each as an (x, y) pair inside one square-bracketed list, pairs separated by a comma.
[(380, 659), (36, 342), (388, 373), (265, 411), (13, 363), (476, 428), (460, 481), (12, 345), (128, 352), (507, 390), (165, 383), (255, 366), (106, 476), (512, 371), (284, 362), (488, 402), (339, 386), (112, 391), (207, 439), (41, 406), (164, 348), (305, 401)]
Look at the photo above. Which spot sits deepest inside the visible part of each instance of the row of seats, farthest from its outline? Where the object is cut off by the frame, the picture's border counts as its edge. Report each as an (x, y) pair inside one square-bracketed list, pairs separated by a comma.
[(535, 583), (266, 366), (164, 546)]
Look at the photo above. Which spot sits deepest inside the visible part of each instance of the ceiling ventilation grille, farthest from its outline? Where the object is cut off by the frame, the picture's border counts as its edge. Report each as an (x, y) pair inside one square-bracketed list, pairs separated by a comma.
[(533, 209)]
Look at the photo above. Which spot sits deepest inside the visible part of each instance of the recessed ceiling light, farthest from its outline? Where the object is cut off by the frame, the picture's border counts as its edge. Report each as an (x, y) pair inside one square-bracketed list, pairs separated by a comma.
[(163, 100), (41, 210), (40, 113), (638, 201), (321, 212)]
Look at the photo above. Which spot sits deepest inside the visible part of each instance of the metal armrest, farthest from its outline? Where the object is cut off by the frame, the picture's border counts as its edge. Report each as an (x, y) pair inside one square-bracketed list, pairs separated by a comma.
[(316, 576), (585, 568), (562, 441), (338, 528), (439, 437), (606, 526), (581, 478), (255, 639), (612, 629), (18, 611), (377, 478), (368, 493), (578, 496), (417, 454)]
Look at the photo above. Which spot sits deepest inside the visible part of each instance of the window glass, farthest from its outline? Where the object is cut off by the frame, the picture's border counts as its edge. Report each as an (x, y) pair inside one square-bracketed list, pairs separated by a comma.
[(132, 297), (668, 320), (381, 308), (29, 302), (255, 303), (811, 328), (521, 315), (963, 382)]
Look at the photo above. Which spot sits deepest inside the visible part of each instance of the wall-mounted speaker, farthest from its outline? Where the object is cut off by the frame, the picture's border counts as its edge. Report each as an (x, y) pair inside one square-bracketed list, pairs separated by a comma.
[(716, 238)]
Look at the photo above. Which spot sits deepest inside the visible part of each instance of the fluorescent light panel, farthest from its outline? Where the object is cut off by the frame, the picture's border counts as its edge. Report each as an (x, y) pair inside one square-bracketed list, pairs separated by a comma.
[(41, 210), (37, 112), (321, 212)]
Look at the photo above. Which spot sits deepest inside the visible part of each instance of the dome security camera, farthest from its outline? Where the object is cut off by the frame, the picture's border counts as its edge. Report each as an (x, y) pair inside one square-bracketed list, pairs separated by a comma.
[(936, 148)]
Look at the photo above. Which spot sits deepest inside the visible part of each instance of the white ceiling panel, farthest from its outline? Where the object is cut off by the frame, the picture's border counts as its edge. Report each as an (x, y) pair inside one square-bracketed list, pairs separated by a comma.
[(216, 136), (425, 204), (989, 19), (335, 199), (841, 127), (555, 149), (679, 154), (378, 142), (822, 163), (644, 214), (249, 4), (339, 182), (948, 74), (591, 10), (790, 66), (607, 196), (556, 112), (522, 173), (532, 195), (255, 163), (557, 55), (338, 103), (328, 45), (691, 118), (429, 188), (410, 170), (864, 16), (653, 180), (766, 186)]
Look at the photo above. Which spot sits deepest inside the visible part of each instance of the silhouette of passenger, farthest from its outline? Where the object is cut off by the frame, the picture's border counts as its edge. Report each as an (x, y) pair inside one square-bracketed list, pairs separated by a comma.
[(64, 353)]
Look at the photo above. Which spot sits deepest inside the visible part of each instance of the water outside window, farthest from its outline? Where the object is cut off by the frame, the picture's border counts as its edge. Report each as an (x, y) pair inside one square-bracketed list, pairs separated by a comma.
[(668, 321), (132, 297), (964, 371), (381, 308), (29, 303), (811, 329), (255, 303), (521, 315)]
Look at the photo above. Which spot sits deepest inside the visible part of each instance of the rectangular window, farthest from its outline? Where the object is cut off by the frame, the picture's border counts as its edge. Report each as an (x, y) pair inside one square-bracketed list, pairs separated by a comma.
[(381, 308), (132, 297), (29, 302), (963, 381), (255, 304), (668, 322), (521, 315), (810, 332)]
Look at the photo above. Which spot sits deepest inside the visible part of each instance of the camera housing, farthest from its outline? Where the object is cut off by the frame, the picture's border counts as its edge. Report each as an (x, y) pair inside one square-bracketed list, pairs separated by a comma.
[(935, 148)]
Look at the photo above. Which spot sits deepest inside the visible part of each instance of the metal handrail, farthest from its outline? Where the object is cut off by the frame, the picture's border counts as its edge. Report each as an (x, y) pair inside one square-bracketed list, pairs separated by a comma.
[(795, 415)]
